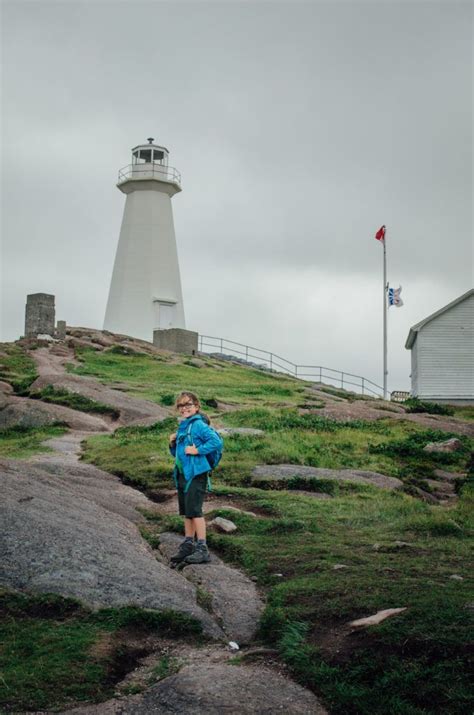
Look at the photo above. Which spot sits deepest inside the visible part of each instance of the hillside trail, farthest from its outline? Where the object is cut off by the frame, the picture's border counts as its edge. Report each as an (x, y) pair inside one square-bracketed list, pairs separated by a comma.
[(205, 678)]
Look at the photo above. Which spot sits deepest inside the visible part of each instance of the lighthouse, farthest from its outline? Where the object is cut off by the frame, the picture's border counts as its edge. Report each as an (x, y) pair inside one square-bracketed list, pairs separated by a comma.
[(145, 290)]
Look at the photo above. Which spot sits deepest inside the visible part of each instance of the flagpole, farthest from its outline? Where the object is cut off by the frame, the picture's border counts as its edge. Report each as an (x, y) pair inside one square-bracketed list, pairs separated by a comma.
[(385, 369)]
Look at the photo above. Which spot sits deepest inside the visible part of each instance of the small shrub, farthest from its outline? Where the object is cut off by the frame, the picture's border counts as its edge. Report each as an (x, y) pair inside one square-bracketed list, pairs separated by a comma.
[(122, 350), (167, 399), (413, 404)]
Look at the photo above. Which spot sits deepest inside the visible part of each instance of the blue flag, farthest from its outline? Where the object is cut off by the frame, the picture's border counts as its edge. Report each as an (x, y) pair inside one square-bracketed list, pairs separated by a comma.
[(394, 297)]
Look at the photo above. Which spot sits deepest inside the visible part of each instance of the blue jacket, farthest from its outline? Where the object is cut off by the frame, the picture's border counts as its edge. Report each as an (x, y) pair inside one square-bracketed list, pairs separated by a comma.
[(203, 438)]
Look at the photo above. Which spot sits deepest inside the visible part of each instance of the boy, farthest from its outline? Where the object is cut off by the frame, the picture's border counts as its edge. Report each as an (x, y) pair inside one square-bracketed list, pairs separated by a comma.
[(189, 445)]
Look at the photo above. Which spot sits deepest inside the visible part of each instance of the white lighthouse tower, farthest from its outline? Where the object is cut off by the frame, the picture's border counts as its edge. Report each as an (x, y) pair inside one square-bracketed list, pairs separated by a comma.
[(145, 291)]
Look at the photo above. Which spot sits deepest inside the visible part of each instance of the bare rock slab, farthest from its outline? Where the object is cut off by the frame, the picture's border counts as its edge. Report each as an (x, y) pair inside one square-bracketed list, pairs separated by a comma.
[(285, 472), (214, 689), (449, 476), (23, 412), (132, 409), (235, 603), (6, 388), (56, 541)]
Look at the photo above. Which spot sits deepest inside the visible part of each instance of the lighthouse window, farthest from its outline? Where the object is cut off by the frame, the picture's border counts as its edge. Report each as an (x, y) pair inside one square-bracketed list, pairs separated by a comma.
[(145, 156), (158, 155)]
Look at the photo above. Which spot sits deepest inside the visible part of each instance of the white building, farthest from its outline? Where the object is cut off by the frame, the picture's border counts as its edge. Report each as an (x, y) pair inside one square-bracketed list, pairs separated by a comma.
[(442, 353), (145, 290)]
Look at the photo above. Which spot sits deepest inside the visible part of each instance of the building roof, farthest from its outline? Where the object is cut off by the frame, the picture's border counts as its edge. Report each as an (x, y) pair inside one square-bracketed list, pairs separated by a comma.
[(415, 328)]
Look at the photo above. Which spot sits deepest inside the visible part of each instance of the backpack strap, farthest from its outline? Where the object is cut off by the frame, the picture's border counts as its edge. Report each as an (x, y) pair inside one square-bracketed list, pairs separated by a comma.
[(189, 432)]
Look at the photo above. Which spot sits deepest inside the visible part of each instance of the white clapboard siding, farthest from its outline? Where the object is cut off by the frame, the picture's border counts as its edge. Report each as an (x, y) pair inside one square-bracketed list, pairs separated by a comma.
[(414, 369), (443, 352)]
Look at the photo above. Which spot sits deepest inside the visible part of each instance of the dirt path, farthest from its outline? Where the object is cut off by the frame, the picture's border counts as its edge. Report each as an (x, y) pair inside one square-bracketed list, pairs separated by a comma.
[(52, 361)]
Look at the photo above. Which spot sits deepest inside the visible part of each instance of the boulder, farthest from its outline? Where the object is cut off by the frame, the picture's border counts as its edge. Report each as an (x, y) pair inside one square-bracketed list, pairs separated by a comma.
[(286, 472), (450, 445), (225, 525)]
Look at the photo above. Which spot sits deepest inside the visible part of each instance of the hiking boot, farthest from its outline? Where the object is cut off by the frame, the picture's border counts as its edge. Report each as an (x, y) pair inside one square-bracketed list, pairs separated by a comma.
[(200, 555), (186, 548)]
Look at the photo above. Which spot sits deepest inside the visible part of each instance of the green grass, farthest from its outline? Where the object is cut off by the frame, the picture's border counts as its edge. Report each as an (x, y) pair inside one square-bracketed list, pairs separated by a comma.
[(50, 652), (22, 442), (413, 664), (304, 539), (464, 412), (59, 396), (139, 455), (428, 640), (16, 367), (155, 379)]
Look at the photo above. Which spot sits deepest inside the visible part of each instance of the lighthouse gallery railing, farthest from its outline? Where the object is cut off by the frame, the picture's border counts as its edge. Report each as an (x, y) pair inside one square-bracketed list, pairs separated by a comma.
[(145, 171), (266, 359)]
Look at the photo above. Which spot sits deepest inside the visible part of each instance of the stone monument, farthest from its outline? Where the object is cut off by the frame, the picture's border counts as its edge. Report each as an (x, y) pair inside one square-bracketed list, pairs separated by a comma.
[(39, 315)]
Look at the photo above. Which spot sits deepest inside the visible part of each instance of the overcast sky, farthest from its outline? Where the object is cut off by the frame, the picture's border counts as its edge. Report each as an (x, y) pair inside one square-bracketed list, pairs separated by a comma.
[(298, 127)]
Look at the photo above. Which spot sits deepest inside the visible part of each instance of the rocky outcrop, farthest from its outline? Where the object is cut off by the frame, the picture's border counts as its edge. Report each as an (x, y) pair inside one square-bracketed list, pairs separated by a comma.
[(285, 472), (23, 412), (132, 409), (206, 689), (450, 445), (57, 539), (233, 597)]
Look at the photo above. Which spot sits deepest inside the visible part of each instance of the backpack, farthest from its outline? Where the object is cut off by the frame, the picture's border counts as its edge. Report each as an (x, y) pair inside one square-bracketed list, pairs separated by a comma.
[(213, 457)]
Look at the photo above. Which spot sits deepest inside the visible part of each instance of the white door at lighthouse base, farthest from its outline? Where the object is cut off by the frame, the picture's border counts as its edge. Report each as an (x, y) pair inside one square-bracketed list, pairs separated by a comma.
[(164, 315)]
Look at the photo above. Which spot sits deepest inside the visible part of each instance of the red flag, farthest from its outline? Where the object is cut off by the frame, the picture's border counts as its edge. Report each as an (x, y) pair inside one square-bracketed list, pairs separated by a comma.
[(380, 235)]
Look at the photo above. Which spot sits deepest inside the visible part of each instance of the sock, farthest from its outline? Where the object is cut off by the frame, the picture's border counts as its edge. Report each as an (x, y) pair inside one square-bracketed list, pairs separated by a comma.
[(189, 539), (202, 541)]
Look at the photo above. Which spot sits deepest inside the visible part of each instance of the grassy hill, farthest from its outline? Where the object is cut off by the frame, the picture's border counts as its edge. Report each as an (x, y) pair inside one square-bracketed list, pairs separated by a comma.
[(320, 562)]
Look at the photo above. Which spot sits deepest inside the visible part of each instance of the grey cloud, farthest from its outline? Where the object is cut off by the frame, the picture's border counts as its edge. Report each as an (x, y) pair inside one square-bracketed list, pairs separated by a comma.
[(299, 128)]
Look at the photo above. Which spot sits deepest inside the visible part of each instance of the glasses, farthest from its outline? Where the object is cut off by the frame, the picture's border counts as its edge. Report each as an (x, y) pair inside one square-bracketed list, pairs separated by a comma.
[(185, 405)]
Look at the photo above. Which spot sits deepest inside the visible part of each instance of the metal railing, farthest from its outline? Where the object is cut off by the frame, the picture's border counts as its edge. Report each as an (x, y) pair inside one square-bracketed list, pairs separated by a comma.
[(153, 171), (270, 361)]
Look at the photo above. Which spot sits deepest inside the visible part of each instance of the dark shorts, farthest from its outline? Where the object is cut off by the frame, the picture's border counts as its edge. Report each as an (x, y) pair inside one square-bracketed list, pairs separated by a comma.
[(190, 502)]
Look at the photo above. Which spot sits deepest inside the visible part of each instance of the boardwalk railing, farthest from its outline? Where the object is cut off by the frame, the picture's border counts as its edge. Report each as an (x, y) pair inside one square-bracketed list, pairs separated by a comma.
[(270, 361)]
